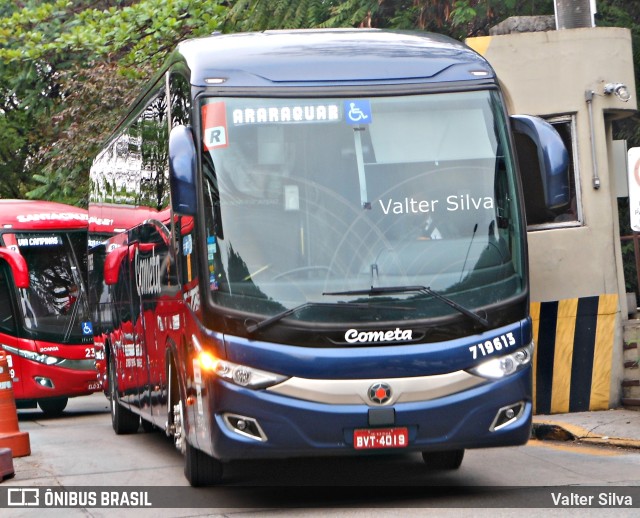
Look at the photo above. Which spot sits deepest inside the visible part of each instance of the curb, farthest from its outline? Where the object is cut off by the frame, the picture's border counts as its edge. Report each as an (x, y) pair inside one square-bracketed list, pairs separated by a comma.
[(554, 431)]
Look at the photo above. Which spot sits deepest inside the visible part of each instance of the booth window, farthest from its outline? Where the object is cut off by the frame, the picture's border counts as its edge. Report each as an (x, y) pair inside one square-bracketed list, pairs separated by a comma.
[(539, 217)]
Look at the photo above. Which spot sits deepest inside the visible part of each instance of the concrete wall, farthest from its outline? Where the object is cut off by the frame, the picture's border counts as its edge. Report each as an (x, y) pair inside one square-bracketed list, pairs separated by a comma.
[(547, 74)]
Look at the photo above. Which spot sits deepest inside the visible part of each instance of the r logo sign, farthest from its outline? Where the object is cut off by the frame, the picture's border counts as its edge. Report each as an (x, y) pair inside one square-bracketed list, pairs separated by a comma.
[(215, 137), (214, 119)]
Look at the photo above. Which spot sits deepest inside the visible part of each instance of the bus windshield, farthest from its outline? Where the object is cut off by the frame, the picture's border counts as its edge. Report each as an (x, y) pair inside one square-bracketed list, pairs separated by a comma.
[(317, 204), (54, 307)]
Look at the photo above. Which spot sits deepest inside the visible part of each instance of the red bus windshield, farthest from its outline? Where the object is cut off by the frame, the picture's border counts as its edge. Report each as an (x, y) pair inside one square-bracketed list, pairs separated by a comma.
[(54, 307)]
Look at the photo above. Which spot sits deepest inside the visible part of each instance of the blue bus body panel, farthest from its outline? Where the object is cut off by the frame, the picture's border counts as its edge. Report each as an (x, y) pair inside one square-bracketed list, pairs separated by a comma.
[(302, 428), (288, 58), (296, 427), (374, 361)]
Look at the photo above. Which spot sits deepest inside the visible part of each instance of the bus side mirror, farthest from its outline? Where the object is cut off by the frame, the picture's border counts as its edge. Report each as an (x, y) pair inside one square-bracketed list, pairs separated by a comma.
[(543, 158), (18, 267), (112, 264), (182, 170)]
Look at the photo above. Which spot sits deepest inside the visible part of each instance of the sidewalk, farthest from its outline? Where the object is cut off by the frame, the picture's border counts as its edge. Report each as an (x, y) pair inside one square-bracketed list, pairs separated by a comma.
[(617, 427)]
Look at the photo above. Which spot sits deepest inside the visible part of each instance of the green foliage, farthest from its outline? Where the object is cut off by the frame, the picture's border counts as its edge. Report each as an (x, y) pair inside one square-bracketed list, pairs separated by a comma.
[(248, 15), (95, 98), (66, 67), (13, 151), (67, 31), (463, 13), (457, 18)]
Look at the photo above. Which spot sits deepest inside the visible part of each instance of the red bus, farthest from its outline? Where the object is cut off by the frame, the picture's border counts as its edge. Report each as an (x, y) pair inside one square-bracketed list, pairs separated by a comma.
[(108, 220), (107, 233), (44, 319)]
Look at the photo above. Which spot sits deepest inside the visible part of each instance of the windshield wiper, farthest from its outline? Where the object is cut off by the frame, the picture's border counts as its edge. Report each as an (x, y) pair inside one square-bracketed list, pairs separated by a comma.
[(387, 290), (74, 315), (279, 316)]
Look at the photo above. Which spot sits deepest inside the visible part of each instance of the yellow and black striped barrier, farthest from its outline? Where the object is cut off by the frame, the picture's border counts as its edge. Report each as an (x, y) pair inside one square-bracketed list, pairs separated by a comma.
[(573, 355)]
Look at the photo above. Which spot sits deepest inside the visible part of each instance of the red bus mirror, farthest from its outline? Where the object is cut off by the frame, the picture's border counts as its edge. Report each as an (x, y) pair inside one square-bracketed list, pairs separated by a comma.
[(18, 267), (112, 264)]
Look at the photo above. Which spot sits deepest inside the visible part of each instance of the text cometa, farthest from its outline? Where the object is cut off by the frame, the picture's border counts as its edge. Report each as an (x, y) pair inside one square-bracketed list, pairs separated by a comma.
[(397, 335)]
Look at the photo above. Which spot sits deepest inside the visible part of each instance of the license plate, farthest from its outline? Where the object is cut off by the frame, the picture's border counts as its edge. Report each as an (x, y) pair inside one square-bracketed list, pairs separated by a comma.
[(373, 438)]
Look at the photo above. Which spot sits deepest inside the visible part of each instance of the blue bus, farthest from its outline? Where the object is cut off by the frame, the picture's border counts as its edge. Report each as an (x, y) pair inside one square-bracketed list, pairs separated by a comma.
[(339, 262)]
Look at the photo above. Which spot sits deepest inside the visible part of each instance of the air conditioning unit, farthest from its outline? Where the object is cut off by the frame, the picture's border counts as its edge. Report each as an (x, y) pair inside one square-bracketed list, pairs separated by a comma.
[(574, 14)]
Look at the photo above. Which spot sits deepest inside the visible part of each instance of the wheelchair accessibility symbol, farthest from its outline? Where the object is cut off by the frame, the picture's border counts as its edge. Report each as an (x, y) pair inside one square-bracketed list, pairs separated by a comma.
[(87, 328), (358, 111)]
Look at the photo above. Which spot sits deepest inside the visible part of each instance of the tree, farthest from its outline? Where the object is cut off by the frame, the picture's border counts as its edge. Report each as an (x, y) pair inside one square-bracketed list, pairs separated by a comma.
[(619, 13), (457, 18), (68, 69), (23, 89)]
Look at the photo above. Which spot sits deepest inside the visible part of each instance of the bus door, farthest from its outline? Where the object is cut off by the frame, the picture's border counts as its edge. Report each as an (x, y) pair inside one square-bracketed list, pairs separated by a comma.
[(124, 360), (133, 333)]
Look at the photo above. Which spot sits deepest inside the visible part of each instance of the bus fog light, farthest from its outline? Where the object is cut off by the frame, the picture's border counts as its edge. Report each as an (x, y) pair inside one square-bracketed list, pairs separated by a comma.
[(507, 415), (44, 382), (245, 426), (502, 366)]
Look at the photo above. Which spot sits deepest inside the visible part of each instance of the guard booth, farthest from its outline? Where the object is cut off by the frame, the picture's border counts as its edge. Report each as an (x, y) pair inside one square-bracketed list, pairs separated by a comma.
[(580, 80)]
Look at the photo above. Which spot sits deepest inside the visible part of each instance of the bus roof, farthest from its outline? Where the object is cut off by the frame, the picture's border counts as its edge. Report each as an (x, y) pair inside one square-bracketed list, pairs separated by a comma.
[(330, 56), (41, 215), (109, 218)]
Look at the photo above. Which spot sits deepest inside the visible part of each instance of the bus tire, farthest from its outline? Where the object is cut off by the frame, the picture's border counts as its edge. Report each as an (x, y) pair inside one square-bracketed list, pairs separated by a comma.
[(201, 469), (123, 420), (53, 407), (443, 460)]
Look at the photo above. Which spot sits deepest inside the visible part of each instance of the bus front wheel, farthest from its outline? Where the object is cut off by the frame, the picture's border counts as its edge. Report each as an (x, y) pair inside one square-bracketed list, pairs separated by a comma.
[(201, 469), (443, 460), (53, 407)]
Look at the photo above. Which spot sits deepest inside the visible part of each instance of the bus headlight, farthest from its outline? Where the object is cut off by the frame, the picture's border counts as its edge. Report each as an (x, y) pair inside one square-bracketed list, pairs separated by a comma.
[(247, 376), (502, 366), (34, 356), (242, 375)]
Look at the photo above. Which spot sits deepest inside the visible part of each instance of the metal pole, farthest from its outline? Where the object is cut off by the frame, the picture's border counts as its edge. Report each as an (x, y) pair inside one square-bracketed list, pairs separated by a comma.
[(588, 95)]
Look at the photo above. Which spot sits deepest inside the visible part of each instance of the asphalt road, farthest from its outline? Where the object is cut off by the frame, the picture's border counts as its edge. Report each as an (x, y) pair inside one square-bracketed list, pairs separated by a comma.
[(80, 452)]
